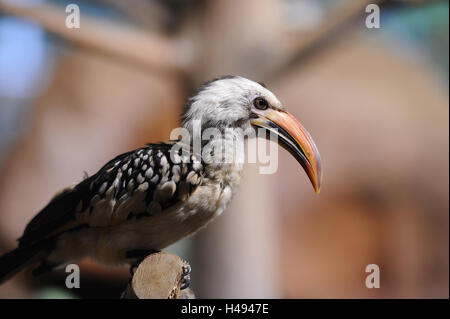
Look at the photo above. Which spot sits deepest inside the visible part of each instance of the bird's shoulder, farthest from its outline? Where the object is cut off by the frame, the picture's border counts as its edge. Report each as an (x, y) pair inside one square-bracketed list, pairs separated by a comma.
[(136, 184)]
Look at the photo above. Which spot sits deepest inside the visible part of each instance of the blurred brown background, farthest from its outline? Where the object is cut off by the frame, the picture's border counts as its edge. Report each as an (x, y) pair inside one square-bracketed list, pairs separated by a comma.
[(375, 101)]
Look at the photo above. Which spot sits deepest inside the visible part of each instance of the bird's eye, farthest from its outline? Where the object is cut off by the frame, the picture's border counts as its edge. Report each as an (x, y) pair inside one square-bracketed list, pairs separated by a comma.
[(260, 103)]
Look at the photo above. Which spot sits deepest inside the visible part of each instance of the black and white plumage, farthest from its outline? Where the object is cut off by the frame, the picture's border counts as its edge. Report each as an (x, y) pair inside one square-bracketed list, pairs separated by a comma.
[(149, 198)]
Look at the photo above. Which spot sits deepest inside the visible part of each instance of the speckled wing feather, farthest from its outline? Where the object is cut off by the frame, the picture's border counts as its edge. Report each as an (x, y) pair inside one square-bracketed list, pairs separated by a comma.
[(137, 184)]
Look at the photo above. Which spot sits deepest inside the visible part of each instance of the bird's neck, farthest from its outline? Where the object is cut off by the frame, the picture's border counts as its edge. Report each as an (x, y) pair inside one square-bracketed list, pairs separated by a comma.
[(220, 147), (224, 156)]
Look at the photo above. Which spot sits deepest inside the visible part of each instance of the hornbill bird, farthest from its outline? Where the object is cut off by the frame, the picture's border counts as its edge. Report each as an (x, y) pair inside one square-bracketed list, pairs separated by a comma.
[(146, 199)]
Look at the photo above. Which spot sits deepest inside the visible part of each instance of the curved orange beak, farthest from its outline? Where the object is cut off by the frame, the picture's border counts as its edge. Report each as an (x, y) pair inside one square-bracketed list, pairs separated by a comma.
[(295, 139)]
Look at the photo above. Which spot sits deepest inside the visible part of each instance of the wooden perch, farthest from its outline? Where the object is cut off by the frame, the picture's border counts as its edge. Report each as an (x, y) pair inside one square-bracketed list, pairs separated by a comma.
[(158, 277)]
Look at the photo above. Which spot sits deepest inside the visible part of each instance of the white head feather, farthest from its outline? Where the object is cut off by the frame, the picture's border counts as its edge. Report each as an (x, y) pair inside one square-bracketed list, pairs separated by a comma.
[(225, 102)]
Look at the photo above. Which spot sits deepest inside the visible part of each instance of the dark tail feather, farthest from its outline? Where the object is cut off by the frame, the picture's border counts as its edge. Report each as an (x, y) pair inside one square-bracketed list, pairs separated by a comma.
[(16, 260)]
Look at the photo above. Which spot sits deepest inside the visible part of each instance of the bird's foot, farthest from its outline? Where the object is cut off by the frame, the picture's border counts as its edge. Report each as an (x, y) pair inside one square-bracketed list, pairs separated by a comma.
[(186, 275)]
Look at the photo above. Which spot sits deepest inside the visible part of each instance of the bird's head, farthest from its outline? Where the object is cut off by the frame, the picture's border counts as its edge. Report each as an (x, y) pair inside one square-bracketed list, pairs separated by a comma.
[(236, 102)]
